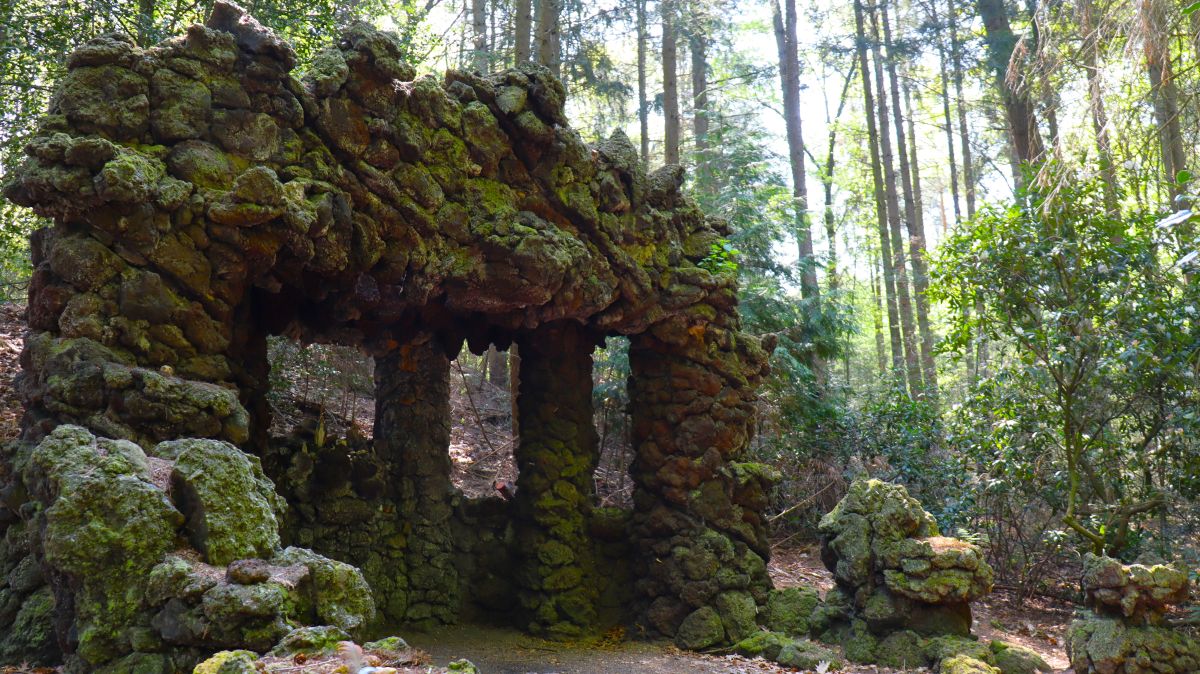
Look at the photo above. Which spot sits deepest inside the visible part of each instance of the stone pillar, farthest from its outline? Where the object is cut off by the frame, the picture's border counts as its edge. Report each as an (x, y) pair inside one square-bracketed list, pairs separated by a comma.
[(556, 455), (412, 438), (697, 528)]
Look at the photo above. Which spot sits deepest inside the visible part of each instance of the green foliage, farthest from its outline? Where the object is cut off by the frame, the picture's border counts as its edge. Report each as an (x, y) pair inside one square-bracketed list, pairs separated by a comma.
[(1092, 403), (722, 258)]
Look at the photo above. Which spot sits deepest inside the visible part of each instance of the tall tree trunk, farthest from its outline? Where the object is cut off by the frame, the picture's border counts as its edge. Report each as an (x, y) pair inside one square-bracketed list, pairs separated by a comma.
[(831, 271), (479, 56), (912, 360), (1156, 45), (1048, 94), (1090, 49), (523, 27), (670, 83), (918, 247), (497, 366), (548, 38), (910, 183), (877, 315), (514, 388), (145, 23), (789, 75), (964, 129), (885, 257), (1018, 109), (949, 125), (643, 104), (698, 47)]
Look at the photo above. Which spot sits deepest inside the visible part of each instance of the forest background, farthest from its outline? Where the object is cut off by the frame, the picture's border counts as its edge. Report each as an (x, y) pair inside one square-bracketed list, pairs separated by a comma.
[(969, 222)]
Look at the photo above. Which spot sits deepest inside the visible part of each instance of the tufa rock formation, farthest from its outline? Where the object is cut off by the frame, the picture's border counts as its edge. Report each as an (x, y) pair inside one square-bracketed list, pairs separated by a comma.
[(128, 594), (901, 600), (892, 569), (206, 194), (1124, 631)]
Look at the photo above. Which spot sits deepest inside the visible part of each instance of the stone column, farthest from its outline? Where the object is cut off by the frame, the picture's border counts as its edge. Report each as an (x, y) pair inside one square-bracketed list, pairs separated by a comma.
[(412, 439), (697, 529), (556, 455)]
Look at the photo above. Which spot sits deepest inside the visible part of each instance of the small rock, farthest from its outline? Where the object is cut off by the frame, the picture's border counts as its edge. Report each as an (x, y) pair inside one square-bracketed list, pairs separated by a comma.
[(248, 571)]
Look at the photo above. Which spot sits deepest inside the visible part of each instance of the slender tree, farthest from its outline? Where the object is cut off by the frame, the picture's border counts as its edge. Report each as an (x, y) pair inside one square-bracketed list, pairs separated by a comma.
[(910, 183), (479, 45), (912, 360), (1089, 49), (885, 258), (523, 27), (1155, 30), (643, 104), (786, 42), (670, 83), (548, 37), (1018, 108), (698, 48)]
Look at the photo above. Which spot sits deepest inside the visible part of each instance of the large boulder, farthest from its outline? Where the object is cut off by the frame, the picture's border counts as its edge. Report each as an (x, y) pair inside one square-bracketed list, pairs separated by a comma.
[(893, 567), (1136, 592), (230, 505), (1098, 644), (1124, 631), (111, 576)]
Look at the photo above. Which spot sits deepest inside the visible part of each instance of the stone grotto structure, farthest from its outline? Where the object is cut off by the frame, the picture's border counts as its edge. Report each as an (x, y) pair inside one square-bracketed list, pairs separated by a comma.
[(207, 193)]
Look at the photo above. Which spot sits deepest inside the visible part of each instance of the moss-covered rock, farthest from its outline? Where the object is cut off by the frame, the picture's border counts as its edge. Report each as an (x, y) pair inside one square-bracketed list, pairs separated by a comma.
[(962, 664), (340, 596), (1101, 644), (947, 646), (230, 505), (228, 662), (1136, 592), (790, 610), (322, 639), (902, 649), (892, 568), (30, 638), (1014, 659), (701, 629), (788, 651), (103, 524)]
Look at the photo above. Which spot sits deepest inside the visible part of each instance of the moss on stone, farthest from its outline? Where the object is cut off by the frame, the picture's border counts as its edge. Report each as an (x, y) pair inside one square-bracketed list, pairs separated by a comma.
[(701, 629), (229, 503), (1015, 659), (962, 664)]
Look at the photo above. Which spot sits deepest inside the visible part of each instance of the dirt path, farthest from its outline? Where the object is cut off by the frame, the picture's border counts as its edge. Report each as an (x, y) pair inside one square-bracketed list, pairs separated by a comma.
[(506, 651)]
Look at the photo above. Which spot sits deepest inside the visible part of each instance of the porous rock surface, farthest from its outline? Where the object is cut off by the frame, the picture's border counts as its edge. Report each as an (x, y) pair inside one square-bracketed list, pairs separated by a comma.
[(894, 569), (897, 580), (123, 595), (207, 193), (1124, 630)]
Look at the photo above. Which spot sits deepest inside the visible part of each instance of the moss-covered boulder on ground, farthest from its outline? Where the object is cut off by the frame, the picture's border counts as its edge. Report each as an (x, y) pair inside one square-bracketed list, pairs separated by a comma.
[(340, 595), (230, 505), (1102, 644), (790, 610), (788, 651), (963, 664), (892, 568), (1014, 659), (701, 629), (1136, 592), (103, 523)]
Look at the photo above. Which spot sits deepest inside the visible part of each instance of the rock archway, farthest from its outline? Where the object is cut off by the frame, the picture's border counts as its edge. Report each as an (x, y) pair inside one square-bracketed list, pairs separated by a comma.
[(204, 197)]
